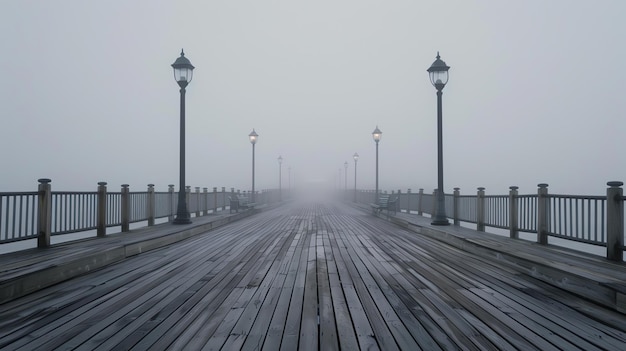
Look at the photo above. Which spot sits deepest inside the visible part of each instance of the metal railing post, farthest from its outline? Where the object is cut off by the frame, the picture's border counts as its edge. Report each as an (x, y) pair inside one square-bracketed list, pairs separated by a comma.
[(206, 200), (513, 213), (543, 214), (420, 195), (170, 191), (214, 199), (125, 208), (197, 201), (398, 202), (408, 200), (188, 195), (102, 210), (456, 193), (480, 210), (433, 210), (614, 221), (151, 205), (223, 198), (44, 211)]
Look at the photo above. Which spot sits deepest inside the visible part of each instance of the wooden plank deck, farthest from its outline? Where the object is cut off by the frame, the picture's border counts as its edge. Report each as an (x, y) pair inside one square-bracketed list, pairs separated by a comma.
[(310, 277)]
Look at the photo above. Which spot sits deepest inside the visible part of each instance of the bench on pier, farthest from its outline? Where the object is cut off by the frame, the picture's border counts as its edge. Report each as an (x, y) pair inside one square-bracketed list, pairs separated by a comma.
[(385, 202), (240, 202)]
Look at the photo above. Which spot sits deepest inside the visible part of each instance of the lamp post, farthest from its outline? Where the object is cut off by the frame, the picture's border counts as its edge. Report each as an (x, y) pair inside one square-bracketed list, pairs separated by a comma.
[(438, 73), (376, 134), (356, 158), (183, 72), (345, 174), (280, 178), (253, 137)]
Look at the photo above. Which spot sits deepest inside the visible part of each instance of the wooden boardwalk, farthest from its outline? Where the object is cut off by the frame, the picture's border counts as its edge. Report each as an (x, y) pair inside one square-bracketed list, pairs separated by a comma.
[(309, 277)]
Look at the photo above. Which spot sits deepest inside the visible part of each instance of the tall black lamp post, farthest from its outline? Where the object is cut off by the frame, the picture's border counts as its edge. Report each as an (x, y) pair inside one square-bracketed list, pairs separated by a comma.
[(356, 158), (253, 137), (183, 72), (438, 73), (377, 134), (280, 178)]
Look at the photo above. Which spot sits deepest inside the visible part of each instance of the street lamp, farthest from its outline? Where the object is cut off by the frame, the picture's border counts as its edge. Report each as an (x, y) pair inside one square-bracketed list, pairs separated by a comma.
[(345, 166), (280, 178), (356, 158), (183, 72), (377, 134), (253, 137), (438, 73)]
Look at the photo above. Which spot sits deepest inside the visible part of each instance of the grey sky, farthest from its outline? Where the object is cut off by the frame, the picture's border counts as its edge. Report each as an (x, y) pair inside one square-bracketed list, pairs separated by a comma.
[(535, 94)]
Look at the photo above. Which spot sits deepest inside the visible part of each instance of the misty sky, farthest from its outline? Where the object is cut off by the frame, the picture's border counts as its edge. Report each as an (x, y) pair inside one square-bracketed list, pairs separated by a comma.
[(536, 93)]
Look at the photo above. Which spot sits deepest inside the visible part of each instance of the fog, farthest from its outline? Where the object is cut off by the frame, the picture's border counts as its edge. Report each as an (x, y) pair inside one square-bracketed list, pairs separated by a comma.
[(535, 94)]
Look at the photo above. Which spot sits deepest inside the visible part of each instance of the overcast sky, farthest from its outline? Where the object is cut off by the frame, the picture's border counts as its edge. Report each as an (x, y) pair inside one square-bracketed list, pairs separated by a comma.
[(536, 93)]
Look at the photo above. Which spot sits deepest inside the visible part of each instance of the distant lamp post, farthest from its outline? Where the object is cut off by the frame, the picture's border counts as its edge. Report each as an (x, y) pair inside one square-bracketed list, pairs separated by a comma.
[(345, 166), (438, 73), (183, 72), (253, 137), (280, 178), (356, 158), (377, 134)]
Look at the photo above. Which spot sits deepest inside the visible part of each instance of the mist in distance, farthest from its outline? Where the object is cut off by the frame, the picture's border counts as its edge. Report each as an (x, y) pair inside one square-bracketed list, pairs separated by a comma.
[(535, 94)]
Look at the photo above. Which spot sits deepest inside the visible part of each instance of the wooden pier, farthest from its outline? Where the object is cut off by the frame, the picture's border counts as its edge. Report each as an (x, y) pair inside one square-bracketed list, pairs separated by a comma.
[(316, 276)]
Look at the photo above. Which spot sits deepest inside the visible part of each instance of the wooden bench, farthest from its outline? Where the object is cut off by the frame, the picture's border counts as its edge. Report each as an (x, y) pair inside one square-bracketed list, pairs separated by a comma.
[(385, 202), (240, 202)]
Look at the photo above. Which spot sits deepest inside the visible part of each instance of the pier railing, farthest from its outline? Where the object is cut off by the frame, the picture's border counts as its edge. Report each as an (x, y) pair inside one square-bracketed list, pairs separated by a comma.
[(41, 214), (594, 220)]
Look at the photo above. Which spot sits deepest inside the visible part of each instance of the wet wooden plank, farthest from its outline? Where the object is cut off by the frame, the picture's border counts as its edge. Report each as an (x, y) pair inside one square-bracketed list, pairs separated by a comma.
[(266, 281)]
